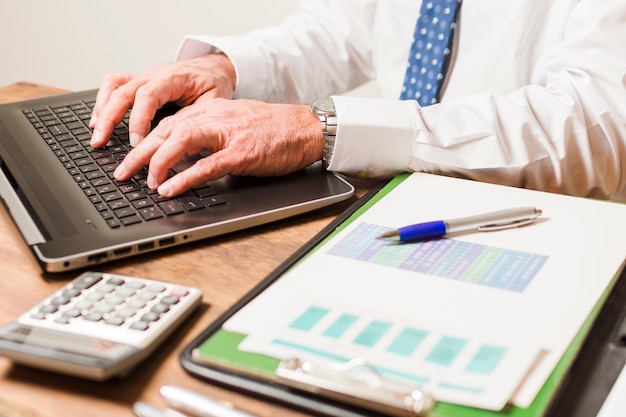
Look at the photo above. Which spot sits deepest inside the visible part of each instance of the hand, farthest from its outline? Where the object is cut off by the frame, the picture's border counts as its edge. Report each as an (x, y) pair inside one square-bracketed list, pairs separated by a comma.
[(182, 82), (245, 137)]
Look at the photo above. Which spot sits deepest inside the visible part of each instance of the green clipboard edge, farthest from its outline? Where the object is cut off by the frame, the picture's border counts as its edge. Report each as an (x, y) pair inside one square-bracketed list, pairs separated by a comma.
[(223, 364)]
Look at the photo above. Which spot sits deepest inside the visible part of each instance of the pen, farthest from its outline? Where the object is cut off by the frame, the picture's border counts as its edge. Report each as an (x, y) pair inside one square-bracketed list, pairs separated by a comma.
[(496, 220), (198, 404), (142, 409)]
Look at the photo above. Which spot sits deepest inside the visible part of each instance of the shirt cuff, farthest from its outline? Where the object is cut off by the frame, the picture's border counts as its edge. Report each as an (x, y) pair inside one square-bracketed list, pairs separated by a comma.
[(374, 136), (251, 77)]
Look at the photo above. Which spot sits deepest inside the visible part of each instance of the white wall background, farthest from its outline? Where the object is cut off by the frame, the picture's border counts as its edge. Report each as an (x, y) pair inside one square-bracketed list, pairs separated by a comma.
[(71, 44)]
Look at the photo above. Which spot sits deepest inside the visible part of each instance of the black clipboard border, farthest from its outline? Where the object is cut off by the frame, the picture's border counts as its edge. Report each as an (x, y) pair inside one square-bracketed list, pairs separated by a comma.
[(598, 363)]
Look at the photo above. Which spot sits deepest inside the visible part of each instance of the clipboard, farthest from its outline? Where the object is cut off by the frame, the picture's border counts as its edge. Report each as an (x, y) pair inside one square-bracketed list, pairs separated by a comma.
[(577, 386)]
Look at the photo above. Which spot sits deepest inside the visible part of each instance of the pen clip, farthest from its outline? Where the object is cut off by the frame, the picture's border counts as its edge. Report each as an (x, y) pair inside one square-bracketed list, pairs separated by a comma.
[(357, 383), (502, 226)]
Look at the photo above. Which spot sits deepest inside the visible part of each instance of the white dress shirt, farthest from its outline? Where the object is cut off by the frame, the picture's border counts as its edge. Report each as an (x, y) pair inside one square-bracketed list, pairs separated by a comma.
[(535, 95)]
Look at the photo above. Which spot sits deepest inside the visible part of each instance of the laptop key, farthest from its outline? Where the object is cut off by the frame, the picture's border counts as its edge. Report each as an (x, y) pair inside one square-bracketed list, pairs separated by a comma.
[(171, 207), (215, 200), (150, 213), (125, 212), (127, 221), (191, 203), (57, 130)]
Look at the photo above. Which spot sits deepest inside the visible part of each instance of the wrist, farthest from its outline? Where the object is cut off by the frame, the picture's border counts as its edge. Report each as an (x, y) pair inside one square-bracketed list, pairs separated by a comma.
[(229, 69), (223, 73)]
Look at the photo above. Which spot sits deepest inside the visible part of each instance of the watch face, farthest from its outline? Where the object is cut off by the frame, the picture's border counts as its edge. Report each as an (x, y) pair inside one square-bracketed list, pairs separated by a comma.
[(325, 105)]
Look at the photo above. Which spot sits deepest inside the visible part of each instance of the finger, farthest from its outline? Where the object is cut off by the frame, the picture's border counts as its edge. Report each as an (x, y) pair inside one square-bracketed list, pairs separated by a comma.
[(181, 135), (148, 98), (137, 158), (110, 83), (206, 169), (140, 120), (176, 135), (120, 100)]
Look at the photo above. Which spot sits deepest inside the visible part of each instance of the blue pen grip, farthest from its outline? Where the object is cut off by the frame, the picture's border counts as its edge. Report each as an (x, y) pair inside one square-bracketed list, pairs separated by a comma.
[(423, 231)]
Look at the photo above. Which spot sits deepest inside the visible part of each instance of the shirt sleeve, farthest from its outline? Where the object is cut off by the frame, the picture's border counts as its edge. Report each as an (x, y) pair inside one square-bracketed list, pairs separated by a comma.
[(565, 136), (324, 48)]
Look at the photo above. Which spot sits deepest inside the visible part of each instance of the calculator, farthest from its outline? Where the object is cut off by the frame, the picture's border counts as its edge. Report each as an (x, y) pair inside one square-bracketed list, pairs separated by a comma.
[(99, 325)]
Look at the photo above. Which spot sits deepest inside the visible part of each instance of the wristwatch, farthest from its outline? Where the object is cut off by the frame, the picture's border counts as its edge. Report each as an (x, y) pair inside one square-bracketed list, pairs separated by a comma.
[(324, 109)]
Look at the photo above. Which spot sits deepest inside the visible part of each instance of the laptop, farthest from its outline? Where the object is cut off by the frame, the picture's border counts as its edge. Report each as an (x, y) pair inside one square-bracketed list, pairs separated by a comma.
[(72, 214)]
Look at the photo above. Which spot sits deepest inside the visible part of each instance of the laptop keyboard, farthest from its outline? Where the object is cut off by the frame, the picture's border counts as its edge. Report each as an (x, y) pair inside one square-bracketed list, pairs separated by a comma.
[(65, 130)]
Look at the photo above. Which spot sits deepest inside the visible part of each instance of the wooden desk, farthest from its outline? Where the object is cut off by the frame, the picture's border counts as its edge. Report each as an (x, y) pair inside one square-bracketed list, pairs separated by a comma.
[(225, 268)]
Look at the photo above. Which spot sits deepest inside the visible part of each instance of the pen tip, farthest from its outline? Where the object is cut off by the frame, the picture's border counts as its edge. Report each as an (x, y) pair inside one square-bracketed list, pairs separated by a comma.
[(392, 234)]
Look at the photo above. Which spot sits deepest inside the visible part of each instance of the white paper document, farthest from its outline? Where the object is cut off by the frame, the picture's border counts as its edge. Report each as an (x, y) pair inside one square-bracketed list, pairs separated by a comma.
[(452, 366), (479, 319)]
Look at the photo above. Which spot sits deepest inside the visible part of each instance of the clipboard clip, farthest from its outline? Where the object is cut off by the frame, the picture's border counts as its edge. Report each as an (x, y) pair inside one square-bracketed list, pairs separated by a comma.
[(356, 383)]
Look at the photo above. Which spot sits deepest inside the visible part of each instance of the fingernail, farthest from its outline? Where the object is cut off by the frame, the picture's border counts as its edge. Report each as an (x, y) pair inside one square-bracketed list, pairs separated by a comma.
[(151, 182), (135, 138), (120, 171), (95, 138), (165, 189)]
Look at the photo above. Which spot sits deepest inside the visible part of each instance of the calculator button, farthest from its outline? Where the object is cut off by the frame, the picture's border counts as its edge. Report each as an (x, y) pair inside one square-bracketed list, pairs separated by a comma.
[(140, 325), (72, 312), (115, 281), (146, 296), (104, 308), (94, 296), (126, 312), (62, 320), (106, 288), (136, 285), (59, 301), (179, 292), (150, 317), (136, 304), (160, 308), (93, 316), (125, 291), (156, 288), (170, 300), (86, 281), (115, 321), (48, 309), (114, 299), (83, 305), (71, 292)]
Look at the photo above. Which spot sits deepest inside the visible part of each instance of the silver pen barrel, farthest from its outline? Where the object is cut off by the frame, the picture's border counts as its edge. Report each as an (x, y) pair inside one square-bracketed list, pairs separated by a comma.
[(495, 220)]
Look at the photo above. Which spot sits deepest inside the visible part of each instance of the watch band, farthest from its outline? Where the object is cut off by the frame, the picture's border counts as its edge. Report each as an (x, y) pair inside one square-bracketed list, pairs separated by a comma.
[(324, 109)]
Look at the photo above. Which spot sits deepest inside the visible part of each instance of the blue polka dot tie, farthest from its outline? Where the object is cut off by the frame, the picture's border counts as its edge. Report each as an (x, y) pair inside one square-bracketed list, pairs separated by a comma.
[(430, 51)]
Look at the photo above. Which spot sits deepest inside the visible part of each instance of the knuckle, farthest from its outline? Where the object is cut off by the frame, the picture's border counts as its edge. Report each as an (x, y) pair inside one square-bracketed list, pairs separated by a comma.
[(113, 78), (148, 92), (140, 124), (165, 128), (122, 93), (183, 181), (208, 167), (132, 157), (172, 127)]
